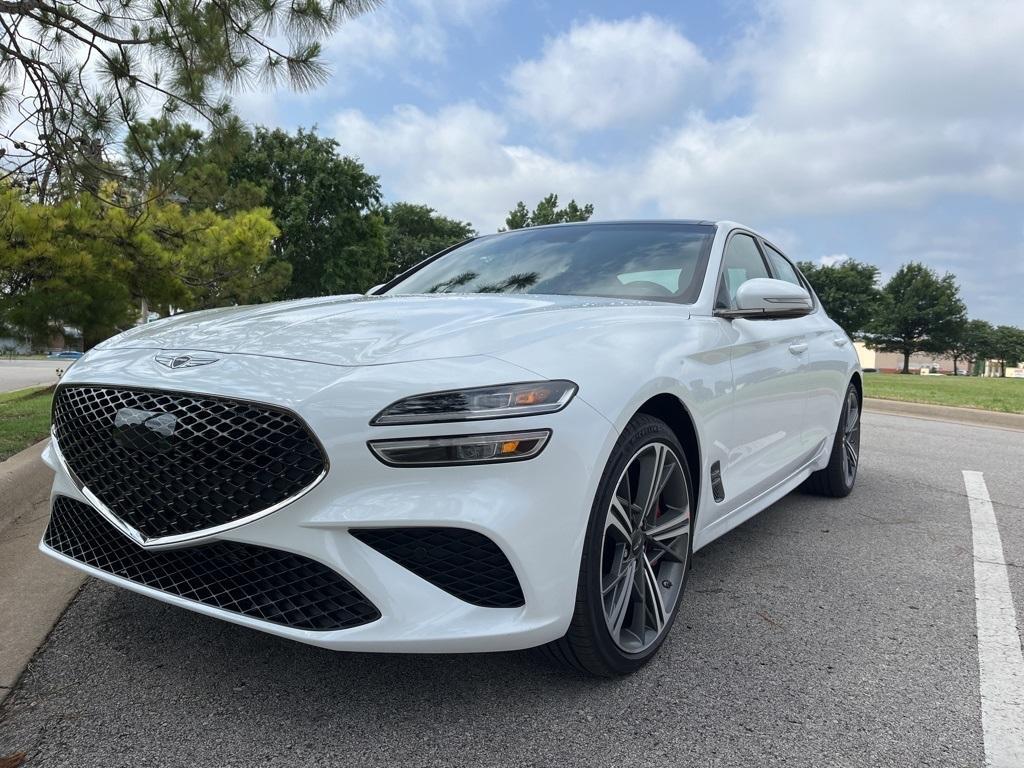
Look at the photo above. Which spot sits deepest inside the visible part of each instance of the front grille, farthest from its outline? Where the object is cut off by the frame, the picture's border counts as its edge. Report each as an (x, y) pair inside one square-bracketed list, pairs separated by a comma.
[(463, 563), (263, 583), (168, 463)]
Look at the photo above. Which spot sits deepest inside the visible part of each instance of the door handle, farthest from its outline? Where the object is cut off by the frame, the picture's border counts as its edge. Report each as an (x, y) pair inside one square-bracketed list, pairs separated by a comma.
[(839, 342), (798, 349)]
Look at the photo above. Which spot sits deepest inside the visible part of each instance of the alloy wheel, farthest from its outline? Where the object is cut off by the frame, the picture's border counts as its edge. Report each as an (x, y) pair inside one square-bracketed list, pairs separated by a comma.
[(851, 437), (645, 548)]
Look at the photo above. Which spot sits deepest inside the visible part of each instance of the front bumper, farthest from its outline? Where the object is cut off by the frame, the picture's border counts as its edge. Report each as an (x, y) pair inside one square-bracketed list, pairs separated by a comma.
[(536, 511)]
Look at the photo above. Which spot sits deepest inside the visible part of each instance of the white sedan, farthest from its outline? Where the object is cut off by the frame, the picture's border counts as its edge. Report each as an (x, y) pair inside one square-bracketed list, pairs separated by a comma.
[(520, 442)]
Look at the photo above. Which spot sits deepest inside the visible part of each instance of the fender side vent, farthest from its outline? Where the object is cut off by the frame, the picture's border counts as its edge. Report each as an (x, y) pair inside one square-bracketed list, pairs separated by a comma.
[(716, 482)]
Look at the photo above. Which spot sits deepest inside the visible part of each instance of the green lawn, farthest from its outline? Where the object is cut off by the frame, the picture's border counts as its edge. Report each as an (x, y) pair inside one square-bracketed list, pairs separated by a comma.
[(24, 419), (1005, 395)]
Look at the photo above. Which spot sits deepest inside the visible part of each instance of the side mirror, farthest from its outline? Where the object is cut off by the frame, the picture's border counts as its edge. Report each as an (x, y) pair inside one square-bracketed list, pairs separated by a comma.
[(763, 297), (374, 290)]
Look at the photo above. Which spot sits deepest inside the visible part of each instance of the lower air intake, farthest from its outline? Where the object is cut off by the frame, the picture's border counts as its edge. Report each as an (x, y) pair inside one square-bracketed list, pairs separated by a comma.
[(259, 582), (463, 563)]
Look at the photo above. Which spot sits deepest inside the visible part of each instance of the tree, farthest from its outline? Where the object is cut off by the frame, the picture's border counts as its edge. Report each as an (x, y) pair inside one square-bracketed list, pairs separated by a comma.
[(90, 265), (918, 311), (547, 212), (74, 75), (972, 341), (848, 290), (178, 163), (416, 232), (327, 207), (220, 260), (1007, 346), (335, 231)]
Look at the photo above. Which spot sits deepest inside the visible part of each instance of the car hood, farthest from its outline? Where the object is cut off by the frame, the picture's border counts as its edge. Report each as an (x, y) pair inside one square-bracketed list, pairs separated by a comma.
[(373, 330)]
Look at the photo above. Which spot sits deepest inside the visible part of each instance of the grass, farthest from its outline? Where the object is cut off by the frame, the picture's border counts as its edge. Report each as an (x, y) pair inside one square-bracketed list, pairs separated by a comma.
[(1006, 395), (24, 419)]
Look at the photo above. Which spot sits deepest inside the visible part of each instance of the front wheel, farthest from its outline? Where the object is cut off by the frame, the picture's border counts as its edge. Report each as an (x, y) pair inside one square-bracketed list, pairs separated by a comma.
[(635, 557), (838, 477)]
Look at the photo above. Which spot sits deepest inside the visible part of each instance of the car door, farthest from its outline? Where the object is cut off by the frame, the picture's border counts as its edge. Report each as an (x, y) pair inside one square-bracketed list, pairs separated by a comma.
[(769, 361), (827, 368)]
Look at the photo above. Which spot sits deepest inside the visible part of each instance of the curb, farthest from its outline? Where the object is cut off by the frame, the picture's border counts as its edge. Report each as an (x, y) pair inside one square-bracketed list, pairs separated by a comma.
[(971, 416), (24, 482), (34, 590)]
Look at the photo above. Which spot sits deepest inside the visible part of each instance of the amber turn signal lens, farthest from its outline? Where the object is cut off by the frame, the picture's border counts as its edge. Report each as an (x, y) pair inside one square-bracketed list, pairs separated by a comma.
[(460, 449), (532, 397)]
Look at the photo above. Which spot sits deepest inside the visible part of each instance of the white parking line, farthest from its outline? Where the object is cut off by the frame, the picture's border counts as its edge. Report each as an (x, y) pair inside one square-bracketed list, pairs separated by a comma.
[(999, 650)]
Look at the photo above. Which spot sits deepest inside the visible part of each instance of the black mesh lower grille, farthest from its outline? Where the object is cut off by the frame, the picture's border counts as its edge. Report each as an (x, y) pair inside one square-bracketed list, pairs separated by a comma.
[(263, 583), (463, 563), (170, 463)]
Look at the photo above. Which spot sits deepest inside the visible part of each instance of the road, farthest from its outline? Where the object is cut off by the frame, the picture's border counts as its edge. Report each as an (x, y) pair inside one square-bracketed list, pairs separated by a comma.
[(820, 633), (18, 374)]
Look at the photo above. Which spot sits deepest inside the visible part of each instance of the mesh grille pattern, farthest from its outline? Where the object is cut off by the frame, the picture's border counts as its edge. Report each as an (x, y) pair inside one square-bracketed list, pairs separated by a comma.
[(463, 563), (268, 584), (168, 463)]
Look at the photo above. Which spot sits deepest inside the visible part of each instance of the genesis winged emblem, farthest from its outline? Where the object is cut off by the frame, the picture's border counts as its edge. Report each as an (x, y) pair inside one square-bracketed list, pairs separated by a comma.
[(184, 361)]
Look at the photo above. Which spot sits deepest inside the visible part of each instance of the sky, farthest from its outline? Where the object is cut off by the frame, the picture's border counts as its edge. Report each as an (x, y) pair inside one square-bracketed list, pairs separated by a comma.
[(875, 130)]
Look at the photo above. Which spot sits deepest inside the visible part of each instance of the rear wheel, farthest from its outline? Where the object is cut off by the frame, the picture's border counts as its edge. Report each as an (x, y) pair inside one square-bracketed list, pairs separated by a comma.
[(838, 477), (635, 557)]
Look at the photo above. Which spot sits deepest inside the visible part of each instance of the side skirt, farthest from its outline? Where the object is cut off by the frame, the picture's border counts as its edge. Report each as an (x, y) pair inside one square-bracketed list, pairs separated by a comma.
[(760, 502)]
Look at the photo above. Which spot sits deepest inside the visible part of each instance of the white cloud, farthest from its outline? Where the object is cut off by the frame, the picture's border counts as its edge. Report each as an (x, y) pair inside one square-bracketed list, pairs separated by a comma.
[(857, 107), (414, 30), (747, 168), (395, 41), (460, 161), (605, 73), (879, 107), (833, 61)]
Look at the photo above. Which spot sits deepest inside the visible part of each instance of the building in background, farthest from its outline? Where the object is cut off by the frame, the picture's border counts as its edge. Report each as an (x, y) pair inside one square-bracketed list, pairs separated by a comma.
[(892, 362)]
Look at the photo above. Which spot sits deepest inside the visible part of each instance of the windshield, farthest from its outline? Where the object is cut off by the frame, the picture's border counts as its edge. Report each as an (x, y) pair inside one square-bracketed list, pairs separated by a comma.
[(664, 262)]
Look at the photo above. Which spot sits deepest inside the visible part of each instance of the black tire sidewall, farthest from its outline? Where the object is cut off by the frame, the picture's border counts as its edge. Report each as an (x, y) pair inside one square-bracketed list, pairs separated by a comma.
[(836, 462), (641, 431)]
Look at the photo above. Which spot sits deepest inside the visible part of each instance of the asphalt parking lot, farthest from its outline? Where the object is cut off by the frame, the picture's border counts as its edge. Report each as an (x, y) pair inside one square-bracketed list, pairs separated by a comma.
[(18, 374), (821, 633)]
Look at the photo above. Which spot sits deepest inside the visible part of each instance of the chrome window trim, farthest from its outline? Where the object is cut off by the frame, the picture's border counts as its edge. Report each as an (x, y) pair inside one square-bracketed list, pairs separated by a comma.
[(183, 539)]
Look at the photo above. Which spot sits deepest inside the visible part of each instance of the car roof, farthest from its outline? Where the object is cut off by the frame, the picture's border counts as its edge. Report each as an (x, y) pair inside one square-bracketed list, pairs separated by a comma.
[(702, 222)]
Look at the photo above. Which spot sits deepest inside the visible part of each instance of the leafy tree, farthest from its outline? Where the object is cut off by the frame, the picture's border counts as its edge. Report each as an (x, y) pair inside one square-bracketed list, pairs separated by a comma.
[(327, 207), (74, 75), (50, 279), (918, 311), (972, 341), (90, 265), (1007, 346), (848, 290), (335, 231), (547, 212), (178, 163), (416, 232), (220, 260)]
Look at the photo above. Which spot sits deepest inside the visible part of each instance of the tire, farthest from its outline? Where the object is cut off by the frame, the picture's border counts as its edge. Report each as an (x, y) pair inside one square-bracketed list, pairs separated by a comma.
[(838, 478), (635, 562)]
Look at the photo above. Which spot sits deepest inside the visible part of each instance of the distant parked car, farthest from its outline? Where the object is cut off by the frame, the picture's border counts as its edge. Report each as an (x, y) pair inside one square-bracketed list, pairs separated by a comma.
[(67, 354)]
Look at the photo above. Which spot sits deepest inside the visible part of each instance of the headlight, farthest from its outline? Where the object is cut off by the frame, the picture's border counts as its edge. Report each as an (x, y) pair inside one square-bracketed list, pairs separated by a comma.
[(464, 449), (498, 402)]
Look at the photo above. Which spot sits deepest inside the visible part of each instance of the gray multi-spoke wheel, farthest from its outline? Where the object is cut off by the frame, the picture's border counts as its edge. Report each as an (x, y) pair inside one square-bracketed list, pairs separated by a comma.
[(636, 554), (851, 436), (646, 547), (838, 477)]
